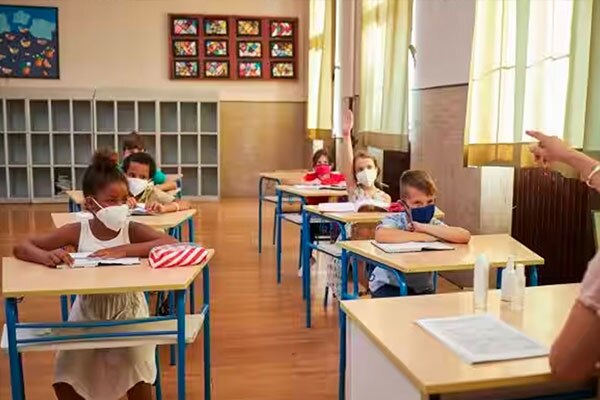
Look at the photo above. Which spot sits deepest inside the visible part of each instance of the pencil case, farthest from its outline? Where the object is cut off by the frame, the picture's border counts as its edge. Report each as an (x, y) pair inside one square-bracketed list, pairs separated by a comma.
[(177, 255)]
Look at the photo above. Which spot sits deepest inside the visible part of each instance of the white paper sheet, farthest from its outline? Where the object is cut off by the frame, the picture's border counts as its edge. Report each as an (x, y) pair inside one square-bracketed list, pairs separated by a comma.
[(341, 207), (412, 247), (82, 260), (346, 207), (482, 338)]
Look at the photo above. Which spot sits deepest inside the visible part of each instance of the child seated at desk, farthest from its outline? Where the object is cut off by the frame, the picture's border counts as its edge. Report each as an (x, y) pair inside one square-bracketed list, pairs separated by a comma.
[(138, 168), (101, 373), (132, 144), (322, 173), (418, 192)]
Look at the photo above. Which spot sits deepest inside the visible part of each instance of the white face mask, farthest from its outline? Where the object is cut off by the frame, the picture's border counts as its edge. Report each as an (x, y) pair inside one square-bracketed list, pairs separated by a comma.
[(113, 217), (137, 185), (367, 177)]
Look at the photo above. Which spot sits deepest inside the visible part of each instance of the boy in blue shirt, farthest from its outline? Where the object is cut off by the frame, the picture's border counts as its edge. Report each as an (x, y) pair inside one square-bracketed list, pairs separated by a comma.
[(133, 143), (417, 191)]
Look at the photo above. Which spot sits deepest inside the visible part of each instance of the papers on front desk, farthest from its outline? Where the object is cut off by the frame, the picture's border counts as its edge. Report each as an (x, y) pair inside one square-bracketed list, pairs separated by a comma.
[(83, 260), (482, 338), (359, 206), (412, 247), (140, 209)]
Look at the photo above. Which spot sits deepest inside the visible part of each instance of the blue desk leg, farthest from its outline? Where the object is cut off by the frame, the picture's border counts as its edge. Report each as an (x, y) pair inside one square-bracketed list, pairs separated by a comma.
[(180, 295), (306, 263), (157, 385), (191, 238), (260, 201), (16, 365), (206, 295), (171, 299), (342, 322), (64, 307), (533, 276), (499, 278), (278, 220)]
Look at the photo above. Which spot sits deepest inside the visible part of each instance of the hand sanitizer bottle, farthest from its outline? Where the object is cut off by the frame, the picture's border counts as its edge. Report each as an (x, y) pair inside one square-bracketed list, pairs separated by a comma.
[(481, 276), (518, 295), (508, 280)]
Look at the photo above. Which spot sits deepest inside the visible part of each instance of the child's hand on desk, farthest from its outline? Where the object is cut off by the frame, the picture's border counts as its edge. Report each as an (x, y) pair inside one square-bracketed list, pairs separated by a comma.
[(131, 202), (57, 257), (112, 252), (155, 207)]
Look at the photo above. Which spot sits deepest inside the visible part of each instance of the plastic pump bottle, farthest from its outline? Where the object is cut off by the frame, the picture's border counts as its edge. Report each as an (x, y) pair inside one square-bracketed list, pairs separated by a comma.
[(509, 277), (518, 295), (481, 282)]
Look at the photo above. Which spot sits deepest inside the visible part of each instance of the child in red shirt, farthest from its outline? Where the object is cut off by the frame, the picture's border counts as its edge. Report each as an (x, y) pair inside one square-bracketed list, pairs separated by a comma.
[(322, 173)]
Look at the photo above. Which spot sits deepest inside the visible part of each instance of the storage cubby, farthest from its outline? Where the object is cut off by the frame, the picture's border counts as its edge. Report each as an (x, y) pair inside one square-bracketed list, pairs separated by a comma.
[(150, 144), (18, 183), (40, 149), (61, 144), (83, 148), (2, 158), (209, 150), (209, 181), (61, 116), (189, 149), (15, 115), (17, 148), (168, 117), (190, 181), (41, 182), (82, 116), (208, 117), (62, 181), (170, 170), (168, 150), (188, 117), (3, 192), (146, 116), (79, 176), (125, 116), (105, 116), (105, 141), (38, 116)]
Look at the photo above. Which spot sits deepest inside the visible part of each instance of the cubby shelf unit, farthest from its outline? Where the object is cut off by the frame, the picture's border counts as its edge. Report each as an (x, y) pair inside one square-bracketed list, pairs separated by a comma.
[(47, 138)]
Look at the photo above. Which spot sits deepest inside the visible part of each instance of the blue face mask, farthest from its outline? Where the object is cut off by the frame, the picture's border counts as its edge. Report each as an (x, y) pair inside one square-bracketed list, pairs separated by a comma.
[(423, 215)]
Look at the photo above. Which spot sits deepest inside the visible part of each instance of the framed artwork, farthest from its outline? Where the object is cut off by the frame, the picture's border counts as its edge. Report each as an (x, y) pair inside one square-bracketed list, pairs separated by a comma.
[(250, 69), (185, 26), (185, 69), (279, 28), (215, 27), (185, 48), (204, 47), (282, 49), (282, 70), (215, 48), (29, 42), (248, 27), (216, 69), (249, 49)]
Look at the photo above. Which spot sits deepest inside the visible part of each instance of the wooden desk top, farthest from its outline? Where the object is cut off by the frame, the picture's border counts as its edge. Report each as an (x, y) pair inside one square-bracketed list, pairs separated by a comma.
[(77, 197), (158, 221), (431, 366), (316, 192), (285, 177), (497, 249), (359, 217), (21, 278)]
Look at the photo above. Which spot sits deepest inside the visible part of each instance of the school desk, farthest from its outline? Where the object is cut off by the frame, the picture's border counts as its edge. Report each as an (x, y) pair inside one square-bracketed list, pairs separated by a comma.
[(293, 192), (277, 177), (340, 219), (390, 357), (76, 198), (497, 248), (20, 278)]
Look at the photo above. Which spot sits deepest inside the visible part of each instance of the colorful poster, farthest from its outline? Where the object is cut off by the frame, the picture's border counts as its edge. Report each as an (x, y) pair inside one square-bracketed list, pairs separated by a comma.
[(29, 42), (250, 69), (282, 70), (249, 49), (185, 48), (216, 69), (186, 69), (185, 27), (215, 48), (282, 29), (248, 27), (215, 27), (282, 49)]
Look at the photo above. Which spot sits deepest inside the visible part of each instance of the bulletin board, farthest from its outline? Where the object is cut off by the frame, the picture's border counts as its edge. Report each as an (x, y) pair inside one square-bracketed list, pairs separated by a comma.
[(232, 47)]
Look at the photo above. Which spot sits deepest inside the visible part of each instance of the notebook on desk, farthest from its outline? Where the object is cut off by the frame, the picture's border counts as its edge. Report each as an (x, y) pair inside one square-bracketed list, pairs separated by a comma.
[(140, 209), (83, 260), (412, 247)]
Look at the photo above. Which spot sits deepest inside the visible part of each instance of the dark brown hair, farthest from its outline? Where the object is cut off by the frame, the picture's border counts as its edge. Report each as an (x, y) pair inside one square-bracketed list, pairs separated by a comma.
[(420, 180), (320, 153), (141, 158), (101, 172), (133, 141)]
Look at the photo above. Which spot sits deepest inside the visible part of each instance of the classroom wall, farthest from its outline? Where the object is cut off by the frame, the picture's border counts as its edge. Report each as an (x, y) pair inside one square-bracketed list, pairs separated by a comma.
[(124, 44)]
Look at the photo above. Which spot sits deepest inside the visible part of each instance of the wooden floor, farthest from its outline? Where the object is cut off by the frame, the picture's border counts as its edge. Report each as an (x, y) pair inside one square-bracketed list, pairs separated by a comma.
[(260, 348)]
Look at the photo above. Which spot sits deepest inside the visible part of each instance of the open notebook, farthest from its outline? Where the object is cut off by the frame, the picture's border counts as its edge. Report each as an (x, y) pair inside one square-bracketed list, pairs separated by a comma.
[(140, 209), (360, 206), (412, 247), (83, 260)]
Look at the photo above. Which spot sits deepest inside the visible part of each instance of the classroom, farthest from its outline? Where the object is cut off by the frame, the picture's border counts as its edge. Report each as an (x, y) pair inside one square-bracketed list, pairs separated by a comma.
[(300, 199)]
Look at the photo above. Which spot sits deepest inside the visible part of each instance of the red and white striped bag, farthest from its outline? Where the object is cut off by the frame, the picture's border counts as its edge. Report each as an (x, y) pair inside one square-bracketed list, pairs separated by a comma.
[(177, 255)]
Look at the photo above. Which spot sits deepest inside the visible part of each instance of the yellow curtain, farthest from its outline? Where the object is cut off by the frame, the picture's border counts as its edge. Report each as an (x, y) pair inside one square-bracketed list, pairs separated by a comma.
[(534, 66), (385, 40), (320, 68)]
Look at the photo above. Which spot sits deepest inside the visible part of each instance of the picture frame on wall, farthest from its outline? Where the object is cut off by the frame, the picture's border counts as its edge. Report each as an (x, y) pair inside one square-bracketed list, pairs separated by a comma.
[(184, 26), (248, 27), (216, 48), (282, 49), (249, 49), (283, 70), (185, 48), (29, 42), (216, 26), (250, 69), (217, 69), (186, 69)]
